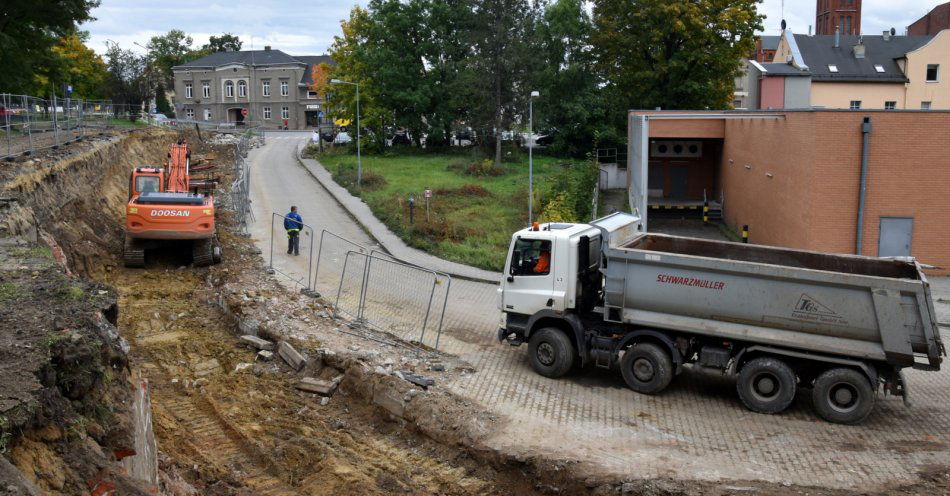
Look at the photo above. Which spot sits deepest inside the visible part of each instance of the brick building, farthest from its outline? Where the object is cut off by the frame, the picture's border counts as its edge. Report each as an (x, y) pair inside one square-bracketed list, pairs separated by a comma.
[(794, 176), (844, 15), (935, 21)]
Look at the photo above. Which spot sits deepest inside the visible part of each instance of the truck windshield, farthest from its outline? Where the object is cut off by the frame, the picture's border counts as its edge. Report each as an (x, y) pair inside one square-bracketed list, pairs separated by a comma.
[(146, 184), (531, 257)]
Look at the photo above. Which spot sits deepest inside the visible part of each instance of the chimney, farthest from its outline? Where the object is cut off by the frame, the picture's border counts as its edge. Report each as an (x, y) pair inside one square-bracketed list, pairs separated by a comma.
[(809, 30), (859, 49), (837, 36), (267, 48), (887, 35)]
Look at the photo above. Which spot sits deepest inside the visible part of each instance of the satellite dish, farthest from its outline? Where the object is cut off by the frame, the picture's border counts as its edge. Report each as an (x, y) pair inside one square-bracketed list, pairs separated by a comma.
[(893, 31), (784, 24)]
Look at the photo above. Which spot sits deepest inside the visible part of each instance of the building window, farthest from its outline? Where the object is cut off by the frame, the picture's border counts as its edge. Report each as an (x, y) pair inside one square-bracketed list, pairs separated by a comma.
[(878, 67), (311, 95), (242, 89), (924, 105), (832, 68), (265, 87), (847, 25), (890, 105), (207, 114), (855, 104), (229, 89), (267, 112), (284, 88), (190, 114), (187, 90), (285, 112), (932, 72), (205, 89)]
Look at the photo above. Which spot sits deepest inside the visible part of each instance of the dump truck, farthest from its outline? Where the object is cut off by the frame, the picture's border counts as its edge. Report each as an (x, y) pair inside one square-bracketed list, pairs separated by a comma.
[(166, 204), (776, 319)]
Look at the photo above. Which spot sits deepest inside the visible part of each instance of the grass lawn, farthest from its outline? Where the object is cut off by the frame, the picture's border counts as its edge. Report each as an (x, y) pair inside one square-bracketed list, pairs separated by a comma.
[(474, 208)]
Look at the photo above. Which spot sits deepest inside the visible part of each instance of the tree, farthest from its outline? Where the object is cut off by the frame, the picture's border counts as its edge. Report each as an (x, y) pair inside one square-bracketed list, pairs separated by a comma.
[(162, 106), (571, 103), (28, 31), (127, 77), (675, 54), (503, 62), (72, 62), (227, 42), (167, 51)]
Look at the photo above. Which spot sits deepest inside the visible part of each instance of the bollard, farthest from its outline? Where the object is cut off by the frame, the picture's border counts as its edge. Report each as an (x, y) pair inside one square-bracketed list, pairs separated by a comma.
[(745, 233), (412, 204), (705, 212)]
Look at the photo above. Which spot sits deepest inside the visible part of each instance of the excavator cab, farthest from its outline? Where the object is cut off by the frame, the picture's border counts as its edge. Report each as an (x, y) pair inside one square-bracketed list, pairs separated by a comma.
[(146, 180)]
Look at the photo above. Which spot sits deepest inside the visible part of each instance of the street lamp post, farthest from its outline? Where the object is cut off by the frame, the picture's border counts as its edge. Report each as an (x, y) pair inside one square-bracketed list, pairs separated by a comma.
[(359, 168), (531, 155)]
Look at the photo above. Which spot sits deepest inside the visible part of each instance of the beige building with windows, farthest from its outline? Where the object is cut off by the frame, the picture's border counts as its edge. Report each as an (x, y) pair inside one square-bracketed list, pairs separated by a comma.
[(853, 72), (267, 87)]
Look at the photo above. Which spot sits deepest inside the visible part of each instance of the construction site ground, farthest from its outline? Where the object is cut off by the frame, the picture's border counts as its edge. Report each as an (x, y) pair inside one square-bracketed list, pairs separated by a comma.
[(695, 431), (227, 420)]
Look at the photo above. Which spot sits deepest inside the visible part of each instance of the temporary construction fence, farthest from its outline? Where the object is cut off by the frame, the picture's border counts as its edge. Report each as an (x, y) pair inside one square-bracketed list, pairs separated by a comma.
[(241, 187), (29, 124), (403, 300), (379, 293)]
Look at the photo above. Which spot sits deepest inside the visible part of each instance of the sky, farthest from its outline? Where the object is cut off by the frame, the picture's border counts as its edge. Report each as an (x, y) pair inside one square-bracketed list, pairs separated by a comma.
[(308, 27)]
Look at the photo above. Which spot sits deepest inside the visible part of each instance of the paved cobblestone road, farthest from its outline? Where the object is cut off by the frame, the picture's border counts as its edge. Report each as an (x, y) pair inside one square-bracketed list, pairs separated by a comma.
[(697, 429)]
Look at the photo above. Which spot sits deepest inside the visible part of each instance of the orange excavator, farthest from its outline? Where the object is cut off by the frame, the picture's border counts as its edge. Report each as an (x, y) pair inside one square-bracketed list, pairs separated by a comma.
[(166, 204)]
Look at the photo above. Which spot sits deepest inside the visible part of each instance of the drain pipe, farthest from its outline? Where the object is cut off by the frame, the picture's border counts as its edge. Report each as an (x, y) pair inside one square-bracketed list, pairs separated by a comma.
[(866, 135)]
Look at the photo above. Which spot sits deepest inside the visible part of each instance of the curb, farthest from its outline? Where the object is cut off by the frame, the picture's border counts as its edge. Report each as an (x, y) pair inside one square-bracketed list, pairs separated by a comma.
[(339, 200)]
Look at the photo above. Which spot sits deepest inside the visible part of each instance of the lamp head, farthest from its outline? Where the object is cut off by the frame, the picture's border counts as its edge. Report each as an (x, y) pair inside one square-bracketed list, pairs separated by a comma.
[(335, 81), (535, 93)]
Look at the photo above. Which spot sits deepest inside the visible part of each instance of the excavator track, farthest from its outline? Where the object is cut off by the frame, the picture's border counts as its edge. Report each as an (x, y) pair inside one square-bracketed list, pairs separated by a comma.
[(133, 255), (202, 252)]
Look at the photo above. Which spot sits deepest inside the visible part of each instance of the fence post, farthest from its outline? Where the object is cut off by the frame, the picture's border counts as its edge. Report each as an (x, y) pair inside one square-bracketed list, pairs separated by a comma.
[(425, 320), (445, 302), (55, 125), (6, 119), (271, 264), (29, 125)]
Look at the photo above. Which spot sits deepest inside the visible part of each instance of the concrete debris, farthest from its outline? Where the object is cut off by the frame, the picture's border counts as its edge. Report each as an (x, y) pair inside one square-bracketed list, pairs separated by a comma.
[(319, 386), (291, 356), (243, 365), (265, 355), (207, 367), (256, 342), (389, 400), (324, 400), (436, 365)]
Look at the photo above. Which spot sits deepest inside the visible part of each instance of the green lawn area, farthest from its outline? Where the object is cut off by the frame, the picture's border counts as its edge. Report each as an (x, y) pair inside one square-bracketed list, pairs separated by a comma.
[(474, 208)]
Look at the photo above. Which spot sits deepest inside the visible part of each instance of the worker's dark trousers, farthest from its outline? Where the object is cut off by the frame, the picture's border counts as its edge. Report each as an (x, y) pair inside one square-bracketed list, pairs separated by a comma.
[(293, 242)]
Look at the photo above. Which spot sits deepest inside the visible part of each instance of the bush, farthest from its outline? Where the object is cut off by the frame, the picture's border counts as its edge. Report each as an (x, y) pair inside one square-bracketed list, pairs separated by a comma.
[(484, 168)]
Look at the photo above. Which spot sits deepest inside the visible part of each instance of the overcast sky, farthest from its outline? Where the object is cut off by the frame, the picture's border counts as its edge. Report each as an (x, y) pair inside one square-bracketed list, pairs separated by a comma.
[(308, 27)]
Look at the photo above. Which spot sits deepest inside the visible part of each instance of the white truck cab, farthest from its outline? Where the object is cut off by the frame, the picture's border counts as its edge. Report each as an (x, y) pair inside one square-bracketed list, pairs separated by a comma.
[(541, 270)]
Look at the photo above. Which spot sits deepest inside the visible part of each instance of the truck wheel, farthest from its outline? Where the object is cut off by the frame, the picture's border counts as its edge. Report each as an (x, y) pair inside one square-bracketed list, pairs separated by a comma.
[(843, 396), (766, 385), (646, 368), (551, 352)]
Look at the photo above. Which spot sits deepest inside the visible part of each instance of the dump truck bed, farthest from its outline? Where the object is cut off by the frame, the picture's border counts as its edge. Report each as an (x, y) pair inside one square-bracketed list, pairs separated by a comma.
[(862, 307)]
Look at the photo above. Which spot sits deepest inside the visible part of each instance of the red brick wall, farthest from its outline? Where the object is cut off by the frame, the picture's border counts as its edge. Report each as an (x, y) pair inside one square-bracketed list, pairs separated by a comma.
[(908, 176), (811, 201), (932, 23), (775, 208)]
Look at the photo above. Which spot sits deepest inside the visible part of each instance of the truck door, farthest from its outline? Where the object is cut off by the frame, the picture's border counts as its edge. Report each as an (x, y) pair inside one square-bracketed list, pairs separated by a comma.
[(530, 280)]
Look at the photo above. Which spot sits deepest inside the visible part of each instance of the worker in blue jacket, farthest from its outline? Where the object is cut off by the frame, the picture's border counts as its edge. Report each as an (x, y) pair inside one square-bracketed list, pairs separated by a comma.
[(293, 223)]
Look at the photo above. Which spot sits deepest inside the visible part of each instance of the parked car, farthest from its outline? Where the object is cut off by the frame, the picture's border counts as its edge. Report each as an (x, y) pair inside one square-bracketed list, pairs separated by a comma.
[(342, 138)]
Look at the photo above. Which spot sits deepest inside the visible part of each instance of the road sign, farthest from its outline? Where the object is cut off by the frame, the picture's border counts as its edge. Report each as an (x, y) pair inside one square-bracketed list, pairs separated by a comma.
[(428, 193), (244, 112)]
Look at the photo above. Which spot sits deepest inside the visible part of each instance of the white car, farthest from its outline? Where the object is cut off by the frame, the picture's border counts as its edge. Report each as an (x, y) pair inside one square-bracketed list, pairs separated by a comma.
[(342, 138)]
